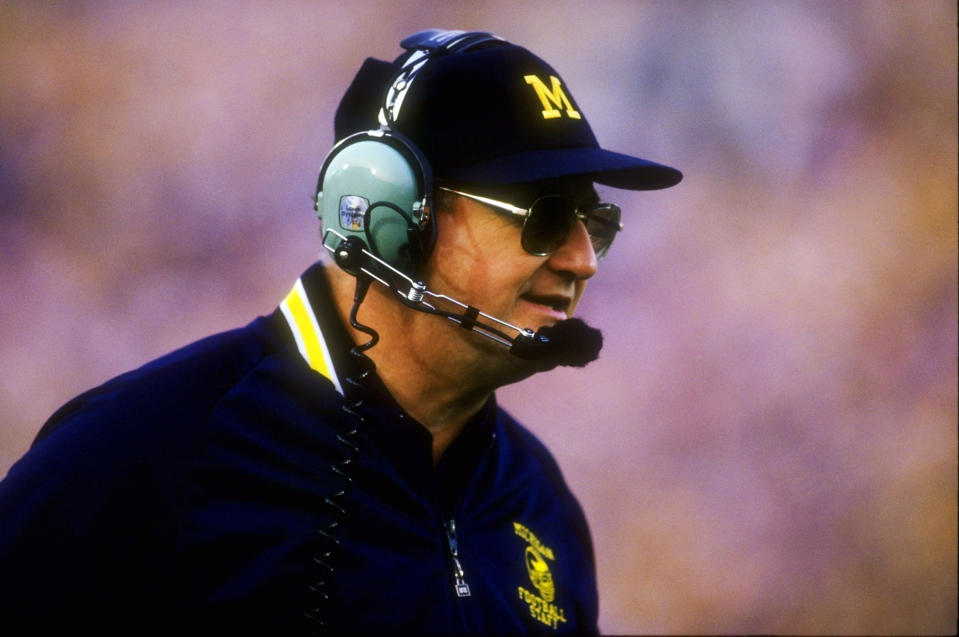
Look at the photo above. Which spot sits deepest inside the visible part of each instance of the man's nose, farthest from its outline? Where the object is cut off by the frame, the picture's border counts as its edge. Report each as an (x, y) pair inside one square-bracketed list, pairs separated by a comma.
[(576, 255)]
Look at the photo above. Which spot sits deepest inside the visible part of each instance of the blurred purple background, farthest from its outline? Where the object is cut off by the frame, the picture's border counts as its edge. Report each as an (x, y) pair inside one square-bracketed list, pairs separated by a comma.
[(769, 441)]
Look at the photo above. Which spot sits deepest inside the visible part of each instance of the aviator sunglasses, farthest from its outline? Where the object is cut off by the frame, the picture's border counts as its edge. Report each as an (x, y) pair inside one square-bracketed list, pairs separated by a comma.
[(550, 219)]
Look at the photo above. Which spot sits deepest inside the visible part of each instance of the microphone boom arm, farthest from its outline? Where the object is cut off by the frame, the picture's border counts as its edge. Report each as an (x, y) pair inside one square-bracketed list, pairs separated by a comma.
[(351, 254)]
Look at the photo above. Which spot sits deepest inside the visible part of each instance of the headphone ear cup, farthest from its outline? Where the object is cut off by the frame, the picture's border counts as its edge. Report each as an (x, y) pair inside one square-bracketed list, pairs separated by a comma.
[(377, 186)]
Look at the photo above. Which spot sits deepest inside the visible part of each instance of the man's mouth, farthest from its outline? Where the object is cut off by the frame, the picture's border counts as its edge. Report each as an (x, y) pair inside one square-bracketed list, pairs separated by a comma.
[(555, 302)]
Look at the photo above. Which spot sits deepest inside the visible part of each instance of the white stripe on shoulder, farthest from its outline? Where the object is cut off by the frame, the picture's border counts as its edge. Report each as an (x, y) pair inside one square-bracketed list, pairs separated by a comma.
[(298, 311)]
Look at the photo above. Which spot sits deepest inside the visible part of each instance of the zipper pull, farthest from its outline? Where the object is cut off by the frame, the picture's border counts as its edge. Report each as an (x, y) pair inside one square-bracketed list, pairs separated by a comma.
[(460, 586)]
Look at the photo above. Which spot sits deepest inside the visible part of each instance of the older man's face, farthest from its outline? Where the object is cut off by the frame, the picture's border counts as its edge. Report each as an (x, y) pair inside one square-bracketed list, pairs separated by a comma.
[(478, 260)]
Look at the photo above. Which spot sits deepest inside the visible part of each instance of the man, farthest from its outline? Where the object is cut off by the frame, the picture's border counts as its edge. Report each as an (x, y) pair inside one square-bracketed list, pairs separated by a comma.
[(341, 464)]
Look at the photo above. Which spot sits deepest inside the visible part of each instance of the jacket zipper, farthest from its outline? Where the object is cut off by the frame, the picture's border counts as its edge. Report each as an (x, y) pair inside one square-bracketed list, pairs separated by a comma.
[(459, 581)]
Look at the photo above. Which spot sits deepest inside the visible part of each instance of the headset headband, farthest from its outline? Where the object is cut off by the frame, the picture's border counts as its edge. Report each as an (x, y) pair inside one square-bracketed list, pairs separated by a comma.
[(422, 47)]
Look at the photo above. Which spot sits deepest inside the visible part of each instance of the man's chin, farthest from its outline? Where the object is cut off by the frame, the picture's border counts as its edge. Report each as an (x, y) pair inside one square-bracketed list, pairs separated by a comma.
[(569, 342)]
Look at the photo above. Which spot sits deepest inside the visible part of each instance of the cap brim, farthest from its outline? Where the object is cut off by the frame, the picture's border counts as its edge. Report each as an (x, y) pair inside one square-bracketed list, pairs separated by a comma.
[(602, 166)]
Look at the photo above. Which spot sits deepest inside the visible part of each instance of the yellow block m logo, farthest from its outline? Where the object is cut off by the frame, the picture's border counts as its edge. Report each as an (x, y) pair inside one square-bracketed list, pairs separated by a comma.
[(552, 98)]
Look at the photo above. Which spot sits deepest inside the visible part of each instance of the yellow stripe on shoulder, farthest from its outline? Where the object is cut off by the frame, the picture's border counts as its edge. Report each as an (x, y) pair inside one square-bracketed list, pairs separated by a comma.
[(306, 331)]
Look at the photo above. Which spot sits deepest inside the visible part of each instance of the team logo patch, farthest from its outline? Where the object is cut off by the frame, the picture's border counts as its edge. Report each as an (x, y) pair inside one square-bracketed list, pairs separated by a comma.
[(353, 212), (538, 557)]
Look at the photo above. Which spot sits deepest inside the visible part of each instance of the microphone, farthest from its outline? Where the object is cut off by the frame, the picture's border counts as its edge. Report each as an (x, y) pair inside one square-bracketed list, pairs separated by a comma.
[(570, 342)]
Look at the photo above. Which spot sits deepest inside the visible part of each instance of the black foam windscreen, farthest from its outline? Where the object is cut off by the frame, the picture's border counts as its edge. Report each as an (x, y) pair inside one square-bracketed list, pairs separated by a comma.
[(571, 342)]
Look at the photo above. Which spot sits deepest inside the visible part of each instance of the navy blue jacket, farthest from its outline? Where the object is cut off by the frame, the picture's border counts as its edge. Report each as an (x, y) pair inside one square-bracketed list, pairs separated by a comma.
[(227, 485)]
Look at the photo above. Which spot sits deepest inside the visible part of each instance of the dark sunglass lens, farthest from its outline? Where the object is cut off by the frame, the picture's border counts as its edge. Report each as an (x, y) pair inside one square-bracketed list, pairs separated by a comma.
[(602, 225), (548, 225)]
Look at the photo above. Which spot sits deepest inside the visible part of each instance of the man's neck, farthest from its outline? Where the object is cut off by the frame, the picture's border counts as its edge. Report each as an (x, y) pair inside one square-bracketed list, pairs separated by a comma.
[(440, 391)]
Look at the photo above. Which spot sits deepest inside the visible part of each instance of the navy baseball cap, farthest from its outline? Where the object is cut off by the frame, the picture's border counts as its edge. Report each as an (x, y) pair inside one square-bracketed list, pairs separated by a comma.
[(489, 112)]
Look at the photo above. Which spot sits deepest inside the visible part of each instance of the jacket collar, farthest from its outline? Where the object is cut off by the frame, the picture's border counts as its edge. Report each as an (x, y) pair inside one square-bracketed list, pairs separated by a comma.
[(324, 343), (311, 317)]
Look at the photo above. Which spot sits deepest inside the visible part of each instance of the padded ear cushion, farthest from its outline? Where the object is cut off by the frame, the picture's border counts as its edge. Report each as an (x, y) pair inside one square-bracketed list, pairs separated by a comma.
[(377, 186)]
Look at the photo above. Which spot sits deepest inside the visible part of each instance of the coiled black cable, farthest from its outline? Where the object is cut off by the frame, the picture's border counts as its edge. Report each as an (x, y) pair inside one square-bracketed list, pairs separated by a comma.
[(336, 503)]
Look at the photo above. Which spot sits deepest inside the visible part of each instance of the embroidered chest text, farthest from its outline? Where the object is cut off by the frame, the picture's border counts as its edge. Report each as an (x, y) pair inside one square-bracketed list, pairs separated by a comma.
[(540, 602)]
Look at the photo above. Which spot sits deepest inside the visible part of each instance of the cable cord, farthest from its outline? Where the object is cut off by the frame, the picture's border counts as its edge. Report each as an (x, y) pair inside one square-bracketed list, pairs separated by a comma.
[(346, 437), (415, 250)]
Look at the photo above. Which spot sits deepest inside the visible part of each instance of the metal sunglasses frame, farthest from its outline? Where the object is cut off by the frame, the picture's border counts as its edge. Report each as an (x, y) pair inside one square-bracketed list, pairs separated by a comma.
[(525, 212)]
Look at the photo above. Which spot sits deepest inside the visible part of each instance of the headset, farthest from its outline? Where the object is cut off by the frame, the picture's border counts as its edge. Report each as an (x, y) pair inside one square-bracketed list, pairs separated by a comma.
[(377, 185)]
